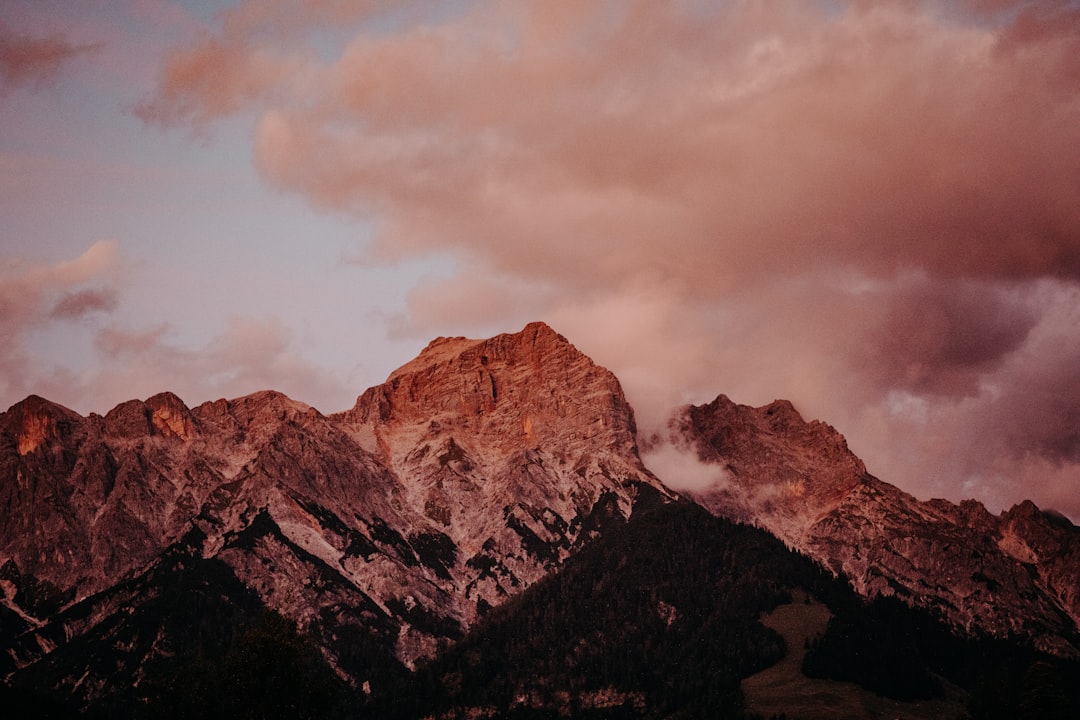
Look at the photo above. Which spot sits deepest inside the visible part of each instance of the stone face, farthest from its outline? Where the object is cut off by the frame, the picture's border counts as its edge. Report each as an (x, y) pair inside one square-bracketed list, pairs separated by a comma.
[(170, 417), (475, 470), (1013, 575), (504, 446), (46, 514), (776, 463)]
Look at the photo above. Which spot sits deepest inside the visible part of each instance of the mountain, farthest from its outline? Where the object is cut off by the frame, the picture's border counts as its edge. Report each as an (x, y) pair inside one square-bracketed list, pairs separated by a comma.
[(511, 450), (1013, 575), (484, 521), (384, 532)]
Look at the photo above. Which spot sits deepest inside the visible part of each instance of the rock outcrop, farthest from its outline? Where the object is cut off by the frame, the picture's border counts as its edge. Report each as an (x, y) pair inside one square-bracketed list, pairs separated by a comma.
[(1013, 575), (507, 448)]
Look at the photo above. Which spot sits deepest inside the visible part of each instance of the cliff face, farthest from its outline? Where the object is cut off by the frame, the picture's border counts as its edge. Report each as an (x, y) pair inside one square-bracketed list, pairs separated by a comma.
[(89, 499), (507, 447), (1013, 575), (774, 464), (472, 472)]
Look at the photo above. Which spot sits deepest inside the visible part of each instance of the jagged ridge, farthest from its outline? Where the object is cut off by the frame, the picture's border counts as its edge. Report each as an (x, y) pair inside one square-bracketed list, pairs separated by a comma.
[(472, 472), (1010, 576)]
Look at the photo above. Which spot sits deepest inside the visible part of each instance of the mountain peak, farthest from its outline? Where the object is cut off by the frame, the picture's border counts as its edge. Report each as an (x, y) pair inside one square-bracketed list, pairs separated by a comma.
[(443, 350), (541, 330), (768, 446), (34, 420), (266, 405), (170, 416), (519, 389), (439, 350), (512, 446), (39, 406)]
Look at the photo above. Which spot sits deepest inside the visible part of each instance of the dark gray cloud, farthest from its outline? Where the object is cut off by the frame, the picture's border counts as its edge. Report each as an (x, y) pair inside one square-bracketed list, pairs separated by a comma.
[(939, 337)]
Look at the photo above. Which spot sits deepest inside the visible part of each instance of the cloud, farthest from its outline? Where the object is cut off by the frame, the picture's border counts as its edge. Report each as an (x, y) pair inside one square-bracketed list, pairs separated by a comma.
[(680, 469), (986, 413), (943, 337), (870, 208), (26, 290), (29, 60), (254, 57), (718, 149), (247, 356), (1032, 402), (121, 362), (76, 304), (474, 298), (212, 81), (34, 296)]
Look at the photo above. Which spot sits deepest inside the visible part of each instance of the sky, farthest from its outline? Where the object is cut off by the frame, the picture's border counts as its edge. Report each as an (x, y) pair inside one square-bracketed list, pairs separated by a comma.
[(871, 209)]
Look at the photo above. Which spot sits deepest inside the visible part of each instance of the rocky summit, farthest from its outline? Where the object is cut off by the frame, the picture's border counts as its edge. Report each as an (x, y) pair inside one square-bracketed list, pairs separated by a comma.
[(386, 532), (1013, 575)]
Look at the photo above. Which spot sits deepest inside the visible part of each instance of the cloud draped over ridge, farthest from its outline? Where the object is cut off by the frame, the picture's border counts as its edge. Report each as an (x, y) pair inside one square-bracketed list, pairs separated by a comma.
[(872, 208)]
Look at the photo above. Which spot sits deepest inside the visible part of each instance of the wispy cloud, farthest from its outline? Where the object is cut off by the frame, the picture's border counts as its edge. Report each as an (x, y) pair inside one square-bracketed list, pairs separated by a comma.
[(76, 304), (122, 362), (33, 60), (247, 356), (33, 296)]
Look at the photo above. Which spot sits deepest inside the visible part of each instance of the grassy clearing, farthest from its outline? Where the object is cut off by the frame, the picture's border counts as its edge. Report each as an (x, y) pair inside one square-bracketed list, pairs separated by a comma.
[(783, 689)]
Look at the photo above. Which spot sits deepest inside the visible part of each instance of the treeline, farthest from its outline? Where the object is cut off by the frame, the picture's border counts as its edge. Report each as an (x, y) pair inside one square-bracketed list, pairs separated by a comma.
[(905, 653), (657, 619), (660, 618)]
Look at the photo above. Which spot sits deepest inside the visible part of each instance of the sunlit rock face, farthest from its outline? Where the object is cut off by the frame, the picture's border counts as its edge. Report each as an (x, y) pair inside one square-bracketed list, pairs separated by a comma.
[(505, 446), (475, 470), (1012, 575)]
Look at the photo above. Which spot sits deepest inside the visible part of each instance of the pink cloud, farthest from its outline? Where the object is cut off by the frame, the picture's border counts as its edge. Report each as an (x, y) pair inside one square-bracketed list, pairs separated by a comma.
[(119, 345), (259, 51), (881, 139), (121, 363), (247, 356), (79, 303), (26, 289), (870, 208), (212, 81), (33, 296), (475, 301), (943, 337), (30, 60)]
